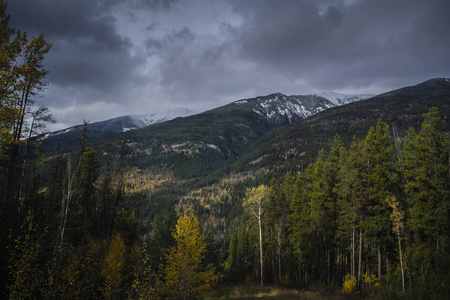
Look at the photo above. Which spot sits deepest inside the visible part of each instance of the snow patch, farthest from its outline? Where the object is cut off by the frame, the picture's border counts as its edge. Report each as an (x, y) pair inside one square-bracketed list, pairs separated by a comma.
[(239, 102), (142, 120), (342, 99)]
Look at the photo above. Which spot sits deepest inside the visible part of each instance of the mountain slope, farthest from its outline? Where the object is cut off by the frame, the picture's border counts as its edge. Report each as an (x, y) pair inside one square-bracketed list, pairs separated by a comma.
[(274, 130), (342, 99), (296, 145), (198, 145), (128, 122), (228, 129), (67, 140)]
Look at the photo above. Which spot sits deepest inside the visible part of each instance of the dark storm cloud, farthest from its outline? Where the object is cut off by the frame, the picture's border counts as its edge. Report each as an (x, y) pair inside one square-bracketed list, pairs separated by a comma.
[(87, 52), (150, 4), (114, 57), (360, 42)]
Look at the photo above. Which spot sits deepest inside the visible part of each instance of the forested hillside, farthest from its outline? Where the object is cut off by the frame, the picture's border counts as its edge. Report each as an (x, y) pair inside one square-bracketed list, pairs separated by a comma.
[(353, 200)]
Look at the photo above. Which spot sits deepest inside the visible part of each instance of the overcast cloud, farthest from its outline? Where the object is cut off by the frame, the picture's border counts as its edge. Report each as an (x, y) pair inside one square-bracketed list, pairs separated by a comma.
[(113, 57)]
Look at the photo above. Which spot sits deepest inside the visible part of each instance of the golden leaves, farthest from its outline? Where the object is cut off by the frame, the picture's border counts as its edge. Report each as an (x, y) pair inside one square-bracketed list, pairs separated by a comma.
[(184, 273)]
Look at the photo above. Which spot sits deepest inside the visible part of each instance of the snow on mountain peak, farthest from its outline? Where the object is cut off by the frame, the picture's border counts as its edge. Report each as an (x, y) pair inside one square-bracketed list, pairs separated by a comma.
[(142, 120), (342, 99), (279, 108)]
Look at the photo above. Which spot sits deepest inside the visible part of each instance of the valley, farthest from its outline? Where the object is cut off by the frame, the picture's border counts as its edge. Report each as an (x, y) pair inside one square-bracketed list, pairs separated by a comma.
[(333, 176)]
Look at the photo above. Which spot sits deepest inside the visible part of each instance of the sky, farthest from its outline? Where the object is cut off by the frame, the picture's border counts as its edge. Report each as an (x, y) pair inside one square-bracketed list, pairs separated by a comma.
[(116, 57)]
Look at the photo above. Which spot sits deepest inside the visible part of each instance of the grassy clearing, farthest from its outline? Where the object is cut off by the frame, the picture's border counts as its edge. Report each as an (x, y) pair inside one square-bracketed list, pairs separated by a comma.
[(257, 292)]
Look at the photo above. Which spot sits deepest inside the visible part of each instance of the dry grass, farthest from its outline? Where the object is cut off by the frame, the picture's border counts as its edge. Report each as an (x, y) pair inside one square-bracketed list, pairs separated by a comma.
[(257, 292)]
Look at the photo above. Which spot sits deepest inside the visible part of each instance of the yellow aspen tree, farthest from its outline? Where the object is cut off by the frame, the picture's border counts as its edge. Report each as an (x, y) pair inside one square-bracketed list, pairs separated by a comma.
[(397, 217), (24, 271), (184, 275), (254, 203), (113, 265), (142, 274)]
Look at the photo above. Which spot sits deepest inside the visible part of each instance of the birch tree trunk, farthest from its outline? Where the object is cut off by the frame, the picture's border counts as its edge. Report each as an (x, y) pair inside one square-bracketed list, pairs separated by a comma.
[(260, 243)]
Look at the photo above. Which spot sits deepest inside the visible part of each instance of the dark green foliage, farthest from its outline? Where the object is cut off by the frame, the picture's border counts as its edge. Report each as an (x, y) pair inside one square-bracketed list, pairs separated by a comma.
[(426, 165)]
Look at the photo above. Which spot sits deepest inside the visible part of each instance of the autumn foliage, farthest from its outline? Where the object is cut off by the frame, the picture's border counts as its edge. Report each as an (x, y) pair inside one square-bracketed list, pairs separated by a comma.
[(185, 275)]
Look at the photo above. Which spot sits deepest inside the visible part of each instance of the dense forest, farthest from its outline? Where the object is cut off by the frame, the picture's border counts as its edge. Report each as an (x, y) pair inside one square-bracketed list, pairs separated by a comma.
[(368, 220)]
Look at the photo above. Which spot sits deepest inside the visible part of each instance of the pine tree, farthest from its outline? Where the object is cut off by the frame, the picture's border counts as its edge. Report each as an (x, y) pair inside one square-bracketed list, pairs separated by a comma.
[(321, 216), (353, 196), (89, 167), (380, 163), (426, 165), (231, 261), (243, 251), (278, 207), (332, 170), (299, 224)]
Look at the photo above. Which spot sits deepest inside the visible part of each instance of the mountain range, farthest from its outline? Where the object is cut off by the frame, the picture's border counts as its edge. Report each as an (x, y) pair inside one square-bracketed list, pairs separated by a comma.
[(276, 109), (273, 130)]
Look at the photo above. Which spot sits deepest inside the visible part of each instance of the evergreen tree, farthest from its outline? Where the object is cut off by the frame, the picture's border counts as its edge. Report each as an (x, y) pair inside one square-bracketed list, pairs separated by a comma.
[(299, 225), (277, 213), (243, 248), (332, 169), (321, 216), (426, 162), (380, 163), (89, 167), (232, 259)]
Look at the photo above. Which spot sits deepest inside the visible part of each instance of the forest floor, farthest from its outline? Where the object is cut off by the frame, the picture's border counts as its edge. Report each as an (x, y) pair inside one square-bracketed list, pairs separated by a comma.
[(257, 292)]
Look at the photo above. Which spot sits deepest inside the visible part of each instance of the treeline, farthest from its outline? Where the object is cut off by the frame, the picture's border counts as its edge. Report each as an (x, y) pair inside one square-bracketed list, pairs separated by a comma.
[(75, 235), (67, 229), (373, 218)]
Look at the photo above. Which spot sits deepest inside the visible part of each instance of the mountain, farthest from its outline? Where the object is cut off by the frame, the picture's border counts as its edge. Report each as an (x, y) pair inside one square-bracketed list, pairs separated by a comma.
[(281, 109), (67, 140), (265, 112), (274, 131), (295, 146), (128, 122)]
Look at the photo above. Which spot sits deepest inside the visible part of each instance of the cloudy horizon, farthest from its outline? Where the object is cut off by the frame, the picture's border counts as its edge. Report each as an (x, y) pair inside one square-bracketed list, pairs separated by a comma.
[(112, 57)]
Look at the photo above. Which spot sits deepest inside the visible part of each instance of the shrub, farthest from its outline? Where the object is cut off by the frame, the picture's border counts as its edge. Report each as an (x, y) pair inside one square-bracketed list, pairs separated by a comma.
[(349, 284)]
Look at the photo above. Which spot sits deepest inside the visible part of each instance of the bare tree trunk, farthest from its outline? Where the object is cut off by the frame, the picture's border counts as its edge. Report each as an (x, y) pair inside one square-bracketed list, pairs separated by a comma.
[(379, 262), (352, 268), (65, 206), (260, 244), (401, 262), (278, 237), (360, 255), (279, 263)]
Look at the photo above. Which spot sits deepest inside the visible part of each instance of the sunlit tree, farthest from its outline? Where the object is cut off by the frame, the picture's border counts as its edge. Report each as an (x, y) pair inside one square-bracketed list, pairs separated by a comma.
[(185, 275), (254, 203)]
